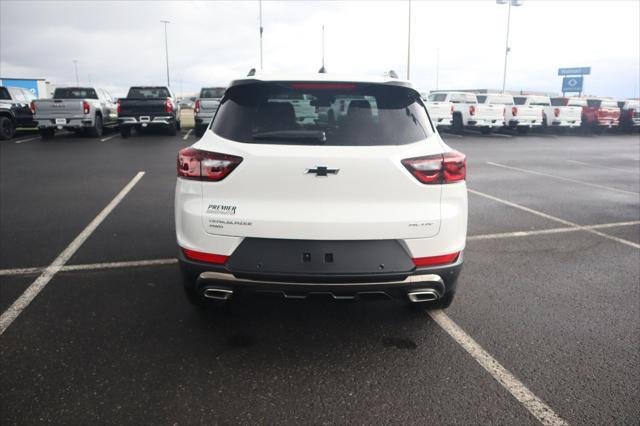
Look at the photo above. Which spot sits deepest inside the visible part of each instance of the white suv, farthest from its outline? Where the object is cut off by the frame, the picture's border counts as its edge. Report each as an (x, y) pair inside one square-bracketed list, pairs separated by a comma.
[(373, 205)]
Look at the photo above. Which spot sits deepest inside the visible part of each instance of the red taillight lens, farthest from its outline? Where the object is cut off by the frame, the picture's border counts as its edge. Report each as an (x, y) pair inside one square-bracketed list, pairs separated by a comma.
[(119, 107), (85, 107), (472, 110), (514, 110), (452, 109), (630, 113), (197, 107), (205, 257), (436, 260), (32, 107), (205, 165), (556, 112), (168, 106), (437, 169)]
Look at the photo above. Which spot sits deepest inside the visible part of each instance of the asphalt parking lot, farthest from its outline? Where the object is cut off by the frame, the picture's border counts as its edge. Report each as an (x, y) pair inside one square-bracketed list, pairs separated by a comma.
[(548, 303)]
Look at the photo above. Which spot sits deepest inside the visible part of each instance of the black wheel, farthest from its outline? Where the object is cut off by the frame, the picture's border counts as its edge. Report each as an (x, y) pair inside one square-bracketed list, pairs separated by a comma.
[(457, 125), (545, 125), (97, 130), (199, 131), (486, 130), (172, 129), (7, 129), (523, 130), (443, 303), (125, 132), (47, 133)]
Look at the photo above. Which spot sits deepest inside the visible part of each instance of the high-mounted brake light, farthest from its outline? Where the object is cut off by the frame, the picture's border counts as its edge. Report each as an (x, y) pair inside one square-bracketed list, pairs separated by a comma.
[(205, 257), (436, 260), (204, 165), (449, 167), (119, 107), (168, 106), (196, 108), (323, 86), (514, 110), (472, 110), (85, 107), (32, 107), (556, 112)]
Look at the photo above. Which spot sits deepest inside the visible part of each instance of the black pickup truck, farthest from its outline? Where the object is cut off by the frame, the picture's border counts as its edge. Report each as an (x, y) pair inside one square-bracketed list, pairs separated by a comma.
[(15, 110), (148, 106)]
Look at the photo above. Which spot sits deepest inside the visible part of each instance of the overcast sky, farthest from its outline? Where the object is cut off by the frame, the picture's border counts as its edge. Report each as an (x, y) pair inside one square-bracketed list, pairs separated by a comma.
[(120, 44)]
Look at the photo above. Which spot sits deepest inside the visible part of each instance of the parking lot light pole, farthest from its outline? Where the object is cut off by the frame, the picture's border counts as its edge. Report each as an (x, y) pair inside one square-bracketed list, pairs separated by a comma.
[(166, 49), (75, 66), (261, 31), (507, 49), (409, 44)]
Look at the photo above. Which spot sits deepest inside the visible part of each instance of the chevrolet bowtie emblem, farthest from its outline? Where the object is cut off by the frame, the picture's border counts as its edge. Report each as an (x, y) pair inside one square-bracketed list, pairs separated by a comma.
[(322, 171)]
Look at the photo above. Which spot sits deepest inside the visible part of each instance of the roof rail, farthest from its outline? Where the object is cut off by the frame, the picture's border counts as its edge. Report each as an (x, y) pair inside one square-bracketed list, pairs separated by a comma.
[(252, 72)]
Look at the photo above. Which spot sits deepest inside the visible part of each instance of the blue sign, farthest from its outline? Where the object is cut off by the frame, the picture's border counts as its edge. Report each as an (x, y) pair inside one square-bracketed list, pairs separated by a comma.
[(572, 84), (574, 71), (31, 85)]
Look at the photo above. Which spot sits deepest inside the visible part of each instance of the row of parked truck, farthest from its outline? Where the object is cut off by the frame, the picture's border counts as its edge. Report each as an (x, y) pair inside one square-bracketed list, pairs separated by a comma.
[(91, 109), (490, 111)]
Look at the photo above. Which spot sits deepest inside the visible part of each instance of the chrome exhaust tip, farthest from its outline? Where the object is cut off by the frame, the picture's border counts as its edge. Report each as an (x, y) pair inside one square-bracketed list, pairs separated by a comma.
[(217, 293), (426, 295)]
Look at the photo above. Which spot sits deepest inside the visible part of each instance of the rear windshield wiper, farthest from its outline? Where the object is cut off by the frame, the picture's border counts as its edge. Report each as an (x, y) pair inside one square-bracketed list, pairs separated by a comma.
[(304, 136)]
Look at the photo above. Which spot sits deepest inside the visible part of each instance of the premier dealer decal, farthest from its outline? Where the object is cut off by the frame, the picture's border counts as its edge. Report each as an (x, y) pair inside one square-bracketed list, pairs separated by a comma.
[(221, 209)]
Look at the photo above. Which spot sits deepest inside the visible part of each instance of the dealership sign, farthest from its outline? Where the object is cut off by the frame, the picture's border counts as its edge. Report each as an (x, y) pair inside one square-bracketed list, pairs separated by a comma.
[(574, 71)]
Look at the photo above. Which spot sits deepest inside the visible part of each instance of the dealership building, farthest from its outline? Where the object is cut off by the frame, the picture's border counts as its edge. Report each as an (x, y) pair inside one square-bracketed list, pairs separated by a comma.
[(38, 86)]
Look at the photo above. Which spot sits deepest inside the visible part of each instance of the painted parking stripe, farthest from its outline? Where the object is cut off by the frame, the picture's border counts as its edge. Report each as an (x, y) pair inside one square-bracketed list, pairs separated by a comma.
[(108, 138), (28, 140), (50, 271), (92, 266), (581, 182), (555, 219), (600, 166), (544, 231), (187, 135), (537, 407)]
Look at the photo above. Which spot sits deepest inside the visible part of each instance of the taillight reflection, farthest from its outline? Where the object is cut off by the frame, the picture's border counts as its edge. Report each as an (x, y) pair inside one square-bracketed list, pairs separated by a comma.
[(204, 165), (449, 167), (196, 108)]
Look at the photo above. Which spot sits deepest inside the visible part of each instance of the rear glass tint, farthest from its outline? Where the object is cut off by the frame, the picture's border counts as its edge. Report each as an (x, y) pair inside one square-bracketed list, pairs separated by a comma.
[(594, 103), (481, 98), (148, 92), (337, 114), (74, 93), (215, 92), (4, 94), (559, 101), (519, 100), (437, 97)]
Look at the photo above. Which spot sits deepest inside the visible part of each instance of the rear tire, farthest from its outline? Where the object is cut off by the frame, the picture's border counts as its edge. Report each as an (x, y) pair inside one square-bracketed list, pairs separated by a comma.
[(7, 129), (172, 129), (97, 130), (457, 126), (47, 133), (486, 130), (125, 132), (179, 125), (443, 303), (524, 130)]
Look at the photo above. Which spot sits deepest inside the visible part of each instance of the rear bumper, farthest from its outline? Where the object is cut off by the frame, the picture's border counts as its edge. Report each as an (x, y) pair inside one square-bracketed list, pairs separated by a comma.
[(70, 123), (486, 122), (146, 120), (566, 123), (441, 279), (525, 123)]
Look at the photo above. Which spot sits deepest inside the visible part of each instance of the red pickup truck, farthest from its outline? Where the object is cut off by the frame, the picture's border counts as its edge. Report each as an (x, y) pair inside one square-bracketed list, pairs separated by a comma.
[(599, 114)]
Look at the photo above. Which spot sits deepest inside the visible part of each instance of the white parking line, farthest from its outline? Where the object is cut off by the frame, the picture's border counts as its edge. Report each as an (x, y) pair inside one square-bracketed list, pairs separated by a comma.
[(187, 135), (537, 407), (556, 219), (108, 138), (532, 172), (544, 231), (28, 140), (91, 266), (50, 271), (600, 166)]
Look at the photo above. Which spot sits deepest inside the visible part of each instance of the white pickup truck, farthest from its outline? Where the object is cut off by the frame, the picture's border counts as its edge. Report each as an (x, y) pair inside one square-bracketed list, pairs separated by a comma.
[(468, 113), (440, 110), (564, 113), (526, 113)]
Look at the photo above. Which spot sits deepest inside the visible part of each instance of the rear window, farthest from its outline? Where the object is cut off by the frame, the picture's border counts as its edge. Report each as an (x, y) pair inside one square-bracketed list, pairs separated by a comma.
[(609, 104), (467, 98), (559, 101), (216, 92), (540, 101), (577, 102), (519, 100), (4, 94), (501, 99), (481, 98), (337, 114), (437, 97), (74, 93), (148, 92)]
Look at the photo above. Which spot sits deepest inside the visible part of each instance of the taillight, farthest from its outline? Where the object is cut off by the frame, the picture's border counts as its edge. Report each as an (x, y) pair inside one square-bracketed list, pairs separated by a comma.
[(514, 110), (119, 107), (205, 165), (449, 167), (197, 107), (556, 112), (85, 107), (436, 260), (472, 110), (630, 112), (168, 106), (342, 105), (205, 257), (452, 109), (32, 107)]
